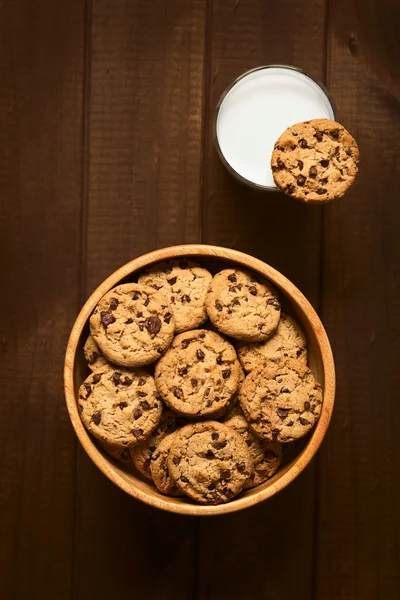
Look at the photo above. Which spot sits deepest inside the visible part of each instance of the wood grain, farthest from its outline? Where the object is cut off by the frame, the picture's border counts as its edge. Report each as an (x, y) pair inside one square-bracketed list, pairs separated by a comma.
[(41, 70), (144, 168), (359, 495)]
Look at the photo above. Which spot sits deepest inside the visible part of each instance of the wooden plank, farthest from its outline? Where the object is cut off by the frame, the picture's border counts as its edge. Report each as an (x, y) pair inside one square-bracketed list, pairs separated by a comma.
[(359, 500), (255, 546), (41, 69), (143, 192)]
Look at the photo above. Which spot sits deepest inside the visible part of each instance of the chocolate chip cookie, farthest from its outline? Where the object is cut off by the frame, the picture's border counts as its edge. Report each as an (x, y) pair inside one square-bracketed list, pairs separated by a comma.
[(120, 454), (132, 325), (209, 462), (141, 455), (243, 305), (159, 468), (315, 161), (94, 357), (198, 374), (120, 407), (288, 341), (185, 284), (281, 402), (266, 456)]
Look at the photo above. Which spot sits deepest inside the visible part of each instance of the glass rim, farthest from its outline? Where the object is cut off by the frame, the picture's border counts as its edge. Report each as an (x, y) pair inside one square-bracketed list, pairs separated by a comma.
[(236, 174)]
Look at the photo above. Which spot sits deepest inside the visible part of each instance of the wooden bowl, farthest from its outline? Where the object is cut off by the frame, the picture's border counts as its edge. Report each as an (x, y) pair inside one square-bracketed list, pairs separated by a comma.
[(320, 361)]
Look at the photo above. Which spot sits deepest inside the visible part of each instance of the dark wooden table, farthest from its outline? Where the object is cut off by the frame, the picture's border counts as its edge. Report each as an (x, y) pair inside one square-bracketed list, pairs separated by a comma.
[(106, 153)]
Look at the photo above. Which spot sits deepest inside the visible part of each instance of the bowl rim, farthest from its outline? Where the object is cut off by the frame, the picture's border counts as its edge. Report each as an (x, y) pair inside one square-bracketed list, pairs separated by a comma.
[(282, 283)]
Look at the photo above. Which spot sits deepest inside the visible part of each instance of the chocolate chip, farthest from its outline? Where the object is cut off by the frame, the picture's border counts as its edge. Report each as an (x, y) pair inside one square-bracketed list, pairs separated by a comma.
[(335, 133), (209, 454), (183, 264), (137, 433), (306, 406), (88, 389), (349, 152), (107, 318), (275, 433), (184, 479), (299, 352), (336, 153), (147, 301), (232, 289), (241, 467), (226, 373), (183, 371), (127, 381), (253, 290), (116, 378), (278, 147), (211, 486), (185, 343), (176, 460), (220, 360), (236, 302), (153, 325), (209, 403), (136, 296), (207, 392), (220, 445), (172, 299), (300, 164), (128, 321), (228, 493), (137, 413), (80, 408), (285, 390), (141, 382), (232, 277), (194, 381), (96, 418), (142, 325), (215, 495), (156, 287), (200, 354), (304, 421), (303, 143), (321, 191), (141, 394), (226, 474), (283, 412), (319, 135), (113, 303), (97, 377), (177, 393), (301, 180), (202, 336), (324, 163), (139, 314), (144, 404), (172, 281), (93, 357), (218, 306), (313, 171), (324, 181), (214, 435), (290, 189)]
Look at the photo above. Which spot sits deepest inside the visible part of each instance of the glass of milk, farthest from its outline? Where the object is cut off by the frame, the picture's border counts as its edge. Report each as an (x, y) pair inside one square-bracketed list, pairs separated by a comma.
[(256, 109)]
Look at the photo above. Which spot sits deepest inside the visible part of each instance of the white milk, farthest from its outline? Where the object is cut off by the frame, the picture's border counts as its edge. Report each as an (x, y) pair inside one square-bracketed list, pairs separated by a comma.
[(256, 111)]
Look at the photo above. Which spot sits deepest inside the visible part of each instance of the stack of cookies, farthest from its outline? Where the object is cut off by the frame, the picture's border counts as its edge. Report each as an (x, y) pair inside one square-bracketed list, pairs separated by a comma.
[(198, 380)]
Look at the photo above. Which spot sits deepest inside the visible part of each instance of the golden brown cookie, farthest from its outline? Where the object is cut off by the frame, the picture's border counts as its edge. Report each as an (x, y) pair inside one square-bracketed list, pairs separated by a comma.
[(94, 357), (132, 325), (120, 407), (288, 341), (267, 456), (243, 305), (209, 462), (185, 284), (315, 161), (159, 468), (141, 455), (198, 374), (281, 402)]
